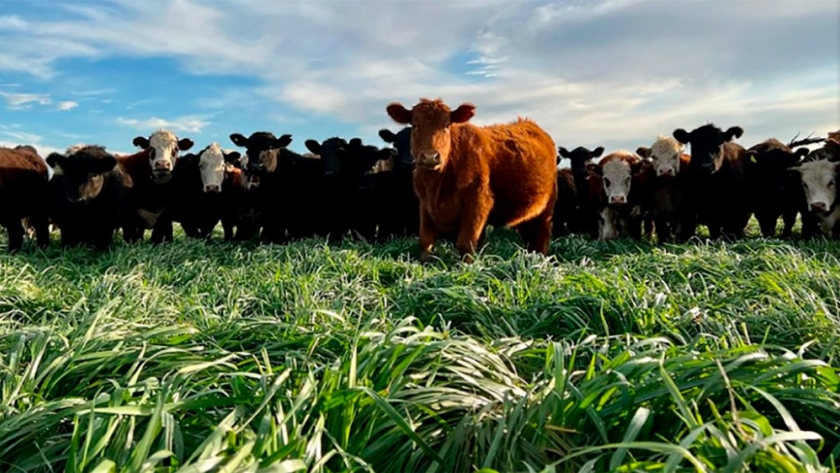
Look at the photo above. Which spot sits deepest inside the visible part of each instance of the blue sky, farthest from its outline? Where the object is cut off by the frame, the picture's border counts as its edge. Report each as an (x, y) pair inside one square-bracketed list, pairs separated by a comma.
[(612, 73)]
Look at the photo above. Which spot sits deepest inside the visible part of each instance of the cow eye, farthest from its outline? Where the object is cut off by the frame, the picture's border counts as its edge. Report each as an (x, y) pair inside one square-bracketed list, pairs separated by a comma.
[(151, 153), (831, 183), (606, 181)]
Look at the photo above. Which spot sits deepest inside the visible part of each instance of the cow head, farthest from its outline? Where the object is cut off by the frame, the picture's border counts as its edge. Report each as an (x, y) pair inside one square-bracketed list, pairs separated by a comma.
[(261, 150), (162, 148), (707, 145), (819, 180), (616, 175), (402, 143), (431, 122), (213, 163), (664, 154), (770, 162), (580, 157), (79, 177), (333, 153)]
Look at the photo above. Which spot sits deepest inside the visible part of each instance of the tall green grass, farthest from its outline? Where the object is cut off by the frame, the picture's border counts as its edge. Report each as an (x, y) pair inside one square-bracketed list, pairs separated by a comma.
[(617, 356)]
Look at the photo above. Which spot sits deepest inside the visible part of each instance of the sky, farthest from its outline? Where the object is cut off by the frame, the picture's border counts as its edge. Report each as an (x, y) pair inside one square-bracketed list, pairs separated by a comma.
[(612, 73)]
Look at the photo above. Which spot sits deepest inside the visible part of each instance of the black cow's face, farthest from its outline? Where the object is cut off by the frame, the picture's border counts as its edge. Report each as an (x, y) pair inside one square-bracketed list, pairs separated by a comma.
[(402, 143), (79, 177), (580, 157), (262, 149), (771, 163), (707, 145), (333, 153)]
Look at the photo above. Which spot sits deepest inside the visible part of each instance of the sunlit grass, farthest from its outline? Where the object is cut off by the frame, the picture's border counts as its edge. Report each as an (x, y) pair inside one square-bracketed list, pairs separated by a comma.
[(617, 356)]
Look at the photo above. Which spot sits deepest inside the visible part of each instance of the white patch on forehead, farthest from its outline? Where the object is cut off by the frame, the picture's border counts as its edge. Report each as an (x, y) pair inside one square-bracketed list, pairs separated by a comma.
[(211, 165), (665, 154), (616, 180), (818, 178), (73, 149)]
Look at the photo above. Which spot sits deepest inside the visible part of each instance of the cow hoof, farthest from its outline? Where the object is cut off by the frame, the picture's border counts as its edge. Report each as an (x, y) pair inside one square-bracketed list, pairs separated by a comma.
[(425, 256)]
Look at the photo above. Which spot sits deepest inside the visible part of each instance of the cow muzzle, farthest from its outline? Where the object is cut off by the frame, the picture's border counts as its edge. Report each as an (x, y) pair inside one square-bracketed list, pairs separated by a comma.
[(666, 172), (618, 200), (818, 206), (161, 177), (212, 188), (429, 160)]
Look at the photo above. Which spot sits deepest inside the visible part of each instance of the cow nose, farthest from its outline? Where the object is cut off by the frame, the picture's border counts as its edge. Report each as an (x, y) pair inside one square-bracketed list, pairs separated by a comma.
[(430, 157), (666, 172), (212, 188), (818, 206), (618, 199), (163, 166)]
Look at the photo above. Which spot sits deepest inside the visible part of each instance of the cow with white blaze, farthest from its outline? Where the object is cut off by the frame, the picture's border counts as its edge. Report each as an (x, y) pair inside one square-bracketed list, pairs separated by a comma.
[(619, 185), (819, 182), (670, 166)]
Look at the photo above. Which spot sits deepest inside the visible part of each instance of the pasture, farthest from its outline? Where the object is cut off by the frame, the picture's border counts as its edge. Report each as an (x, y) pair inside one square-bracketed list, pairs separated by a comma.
[(613, 355)]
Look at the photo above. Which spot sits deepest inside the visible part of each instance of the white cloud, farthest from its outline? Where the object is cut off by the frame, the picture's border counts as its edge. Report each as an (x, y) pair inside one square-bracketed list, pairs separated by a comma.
[(611, 72), (12, 23), (64, 106), (190, 124), (20, 101)]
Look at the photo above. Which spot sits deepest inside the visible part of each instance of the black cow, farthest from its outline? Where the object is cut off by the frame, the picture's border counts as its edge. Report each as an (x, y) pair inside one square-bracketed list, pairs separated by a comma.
[(87, 193), (775, 191), (586, 217), (396, 203), (715, 192)]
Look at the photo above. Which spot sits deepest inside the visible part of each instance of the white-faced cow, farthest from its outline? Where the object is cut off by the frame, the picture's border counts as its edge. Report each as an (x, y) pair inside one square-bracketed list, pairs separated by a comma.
[(670, 166), (620, 184), (819, 183), (715, 192)]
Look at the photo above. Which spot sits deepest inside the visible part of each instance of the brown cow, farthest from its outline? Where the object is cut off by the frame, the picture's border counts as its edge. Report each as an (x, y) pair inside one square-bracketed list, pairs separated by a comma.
[(468, 176), (671, 167), (619, 186), (23, 194)]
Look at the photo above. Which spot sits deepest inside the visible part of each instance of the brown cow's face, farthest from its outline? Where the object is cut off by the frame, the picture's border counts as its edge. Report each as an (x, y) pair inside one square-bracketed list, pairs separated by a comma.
[(819, 180), (163, 148), (430, 132)]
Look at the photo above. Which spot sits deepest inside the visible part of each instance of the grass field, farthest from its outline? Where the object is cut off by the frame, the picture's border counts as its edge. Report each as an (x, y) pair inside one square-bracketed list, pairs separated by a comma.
[(616, 356)]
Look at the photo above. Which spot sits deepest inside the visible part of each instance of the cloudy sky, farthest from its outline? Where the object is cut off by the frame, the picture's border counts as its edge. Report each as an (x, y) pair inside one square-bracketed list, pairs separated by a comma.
[(612, 73)]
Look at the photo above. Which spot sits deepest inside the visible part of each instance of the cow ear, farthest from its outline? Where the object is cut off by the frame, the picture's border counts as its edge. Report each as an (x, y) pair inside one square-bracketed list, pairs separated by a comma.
[(387, 135), (313, 146), (184, 144), (355, 142), (229, 167), (752, 156), (232, 157), (563, 152), (55, 160), (682, 136), (597, 152), (283, 141), (103, 164), (732, 133), (463, 113), (643, 151), (832, 146), (141, 142), (399, 113), (239, 140)]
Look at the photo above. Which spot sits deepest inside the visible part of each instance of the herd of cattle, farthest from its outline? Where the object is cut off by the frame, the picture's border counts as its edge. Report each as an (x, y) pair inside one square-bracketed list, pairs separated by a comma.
[(441, 176)]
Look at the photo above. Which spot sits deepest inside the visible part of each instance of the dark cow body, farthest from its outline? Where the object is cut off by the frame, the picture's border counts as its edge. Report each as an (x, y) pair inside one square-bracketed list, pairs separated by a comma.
[(585, 218), (566, 205), (666, 202), (23, 194), (151, 187), (468, 176), (775, 190), (88, 193), (715, 193), (397, 204)]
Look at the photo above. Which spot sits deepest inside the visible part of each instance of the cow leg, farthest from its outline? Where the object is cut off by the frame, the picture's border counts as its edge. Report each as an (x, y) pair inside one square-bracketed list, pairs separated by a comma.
[(536, 233), (428, 235), (162, 231), (70, 237), (789, 219), (102, 238), (767, 225), (14, 227), (41, 225), (663, 231)]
